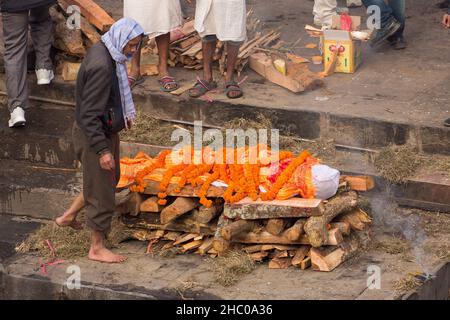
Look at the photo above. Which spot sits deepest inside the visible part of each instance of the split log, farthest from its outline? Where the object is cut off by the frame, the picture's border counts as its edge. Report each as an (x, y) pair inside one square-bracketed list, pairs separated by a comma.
[(94, 14), (275, 226), (359, 183), (172, 235), (259, 256), (306, 263), (280, 254), (70, 71), (290, 208), (280, 263), (235, 228), (67, 40), (206, 215), (358, 219), (185, 238), (221, 245), (315, 227), (264, 237), (179, 207), (206, 245), (151, 205), (191, 245), (293, 233), (330, 258), (344, 227), (300, 255)]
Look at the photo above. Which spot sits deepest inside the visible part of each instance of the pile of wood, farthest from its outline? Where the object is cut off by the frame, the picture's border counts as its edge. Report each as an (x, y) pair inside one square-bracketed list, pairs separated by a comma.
[(72, 42), (295, 232)]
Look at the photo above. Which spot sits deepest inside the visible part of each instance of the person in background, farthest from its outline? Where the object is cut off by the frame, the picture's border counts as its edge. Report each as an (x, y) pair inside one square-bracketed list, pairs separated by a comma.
[(104, 107), (223, 20), (324, 10), (17, 16), (158, 18), (392, 23)]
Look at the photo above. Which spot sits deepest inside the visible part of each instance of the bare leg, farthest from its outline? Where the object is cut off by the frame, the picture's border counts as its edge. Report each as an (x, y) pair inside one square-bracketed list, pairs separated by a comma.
[(98, 251), (208, 52), (136, 64), (69, 217), (162, 42), (232, 55)]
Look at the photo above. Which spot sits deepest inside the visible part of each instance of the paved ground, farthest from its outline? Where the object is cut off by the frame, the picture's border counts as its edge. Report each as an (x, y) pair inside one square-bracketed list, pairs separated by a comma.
[(400, 86)]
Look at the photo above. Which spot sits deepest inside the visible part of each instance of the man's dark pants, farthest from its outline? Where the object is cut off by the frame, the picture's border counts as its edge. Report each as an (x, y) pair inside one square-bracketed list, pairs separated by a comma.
[(392, 9)]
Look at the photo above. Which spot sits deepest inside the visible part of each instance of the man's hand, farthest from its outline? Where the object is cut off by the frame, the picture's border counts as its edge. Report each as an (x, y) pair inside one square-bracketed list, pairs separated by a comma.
[(446, 20), (107, 162)]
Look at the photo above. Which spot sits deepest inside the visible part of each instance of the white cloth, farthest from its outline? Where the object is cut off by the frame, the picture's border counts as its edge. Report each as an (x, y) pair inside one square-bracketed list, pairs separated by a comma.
[(323, 11), (325, 181), (157, 17), (224, 18)]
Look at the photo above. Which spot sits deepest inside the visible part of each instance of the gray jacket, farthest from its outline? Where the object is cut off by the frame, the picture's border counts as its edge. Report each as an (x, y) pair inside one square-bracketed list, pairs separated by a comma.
[(23, 5)]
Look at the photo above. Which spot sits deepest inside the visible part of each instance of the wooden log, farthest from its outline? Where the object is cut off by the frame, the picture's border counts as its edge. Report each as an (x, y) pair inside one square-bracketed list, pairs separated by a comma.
[(259, 256), (67, 40), (306, 263), (221, 245), (235, 228), (330, 258), (152, 187), (94, 14), (172, 235), (206, 245), (133, 204), (280, 254), (300, 255), (191, 245), (151, 205), (359, 183), (206, 215), (357, 218), (275, 226), (264, 238), (290, 208), (280, 263), (193, 50), (335, 237), (70, 70), (344, 227), (179, 207), (184, 238), (294, 232), (315, 227)]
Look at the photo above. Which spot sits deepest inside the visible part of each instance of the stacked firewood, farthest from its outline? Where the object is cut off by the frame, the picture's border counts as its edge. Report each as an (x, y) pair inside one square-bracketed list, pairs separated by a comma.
[(295, 232)]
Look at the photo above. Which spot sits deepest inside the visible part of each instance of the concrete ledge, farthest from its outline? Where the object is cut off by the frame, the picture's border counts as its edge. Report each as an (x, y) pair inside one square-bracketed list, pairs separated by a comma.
[(437, 288)]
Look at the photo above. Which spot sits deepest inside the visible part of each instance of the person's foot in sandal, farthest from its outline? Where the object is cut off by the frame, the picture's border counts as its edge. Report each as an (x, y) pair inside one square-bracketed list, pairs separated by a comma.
[(201, 87), (168, 84), (233, 90), (134, 81)]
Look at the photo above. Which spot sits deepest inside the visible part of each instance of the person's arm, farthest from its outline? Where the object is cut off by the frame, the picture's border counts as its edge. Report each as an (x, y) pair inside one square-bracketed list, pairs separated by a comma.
[(92, 107)]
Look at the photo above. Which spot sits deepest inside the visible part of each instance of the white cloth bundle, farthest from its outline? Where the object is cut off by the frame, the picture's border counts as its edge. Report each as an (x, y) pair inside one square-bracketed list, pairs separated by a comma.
[(157, 17), (227, 19)]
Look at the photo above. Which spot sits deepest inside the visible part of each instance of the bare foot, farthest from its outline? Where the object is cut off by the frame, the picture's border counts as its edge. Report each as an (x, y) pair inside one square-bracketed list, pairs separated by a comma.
[(68, 221), (105, 255)]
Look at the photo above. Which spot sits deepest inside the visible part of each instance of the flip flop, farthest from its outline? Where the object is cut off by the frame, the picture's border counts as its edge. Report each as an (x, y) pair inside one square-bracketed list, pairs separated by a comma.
[(74, 224), (166, 82), (201, 87), (233, 86), (135, 81)]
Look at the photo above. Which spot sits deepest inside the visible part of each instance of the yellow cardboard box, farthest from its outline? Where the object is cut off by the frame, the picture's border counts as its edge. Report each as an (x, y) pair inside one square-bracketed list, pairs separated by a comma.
[(349, 50)]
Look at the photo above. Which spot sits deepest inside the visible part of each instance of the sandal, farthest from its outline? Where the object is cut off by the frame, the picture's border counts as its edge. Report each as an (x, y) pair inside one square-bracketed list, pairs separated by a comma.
[(168, 84), (201, 87), (233, 86), (135, 81)]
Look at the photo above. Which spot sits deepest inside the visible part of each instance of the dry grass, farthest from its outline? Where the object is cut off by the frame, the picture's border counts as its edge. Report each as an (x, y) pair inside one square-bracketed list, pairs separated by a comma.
[(443, 252), (68, 243), (397, 163), (393, 245), (229, 267), (408, 283)]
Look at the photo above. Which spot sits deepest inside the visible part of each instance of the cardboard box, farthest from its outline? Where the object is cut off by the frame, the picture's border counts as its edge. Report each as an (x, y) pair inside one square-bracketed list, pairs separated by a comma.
[(349, 57)]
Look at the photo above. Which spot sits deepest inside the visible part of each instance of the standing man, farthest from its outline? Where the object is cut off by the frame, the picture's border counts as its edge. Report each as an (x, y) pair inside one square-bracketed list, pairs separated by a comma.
[(104, 107), (392, 22), (223, 20), (16, 16), (158, 18), (324, 10)]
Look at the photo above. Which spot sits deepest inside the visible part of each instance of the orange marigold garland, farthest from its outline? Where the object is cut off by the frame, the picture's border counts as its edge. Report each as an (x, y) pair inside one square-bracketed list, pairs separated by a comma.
[(159, 163)]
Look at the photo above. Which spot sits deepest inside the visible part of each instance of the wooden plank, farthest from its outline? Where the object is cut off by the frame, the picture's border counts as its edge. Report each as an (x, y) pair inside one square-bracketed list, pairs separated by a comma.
[(172, 235), (152, 187), (193, 50), (151, 205), (275, 226), (94, 14), (300, 255), (280, 254), (206, 245), (180, 206), (182, 89), (264, 238), (359, 183), (185, 238), (235, 228), (70, 70), (290, 208), (191, 245)]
